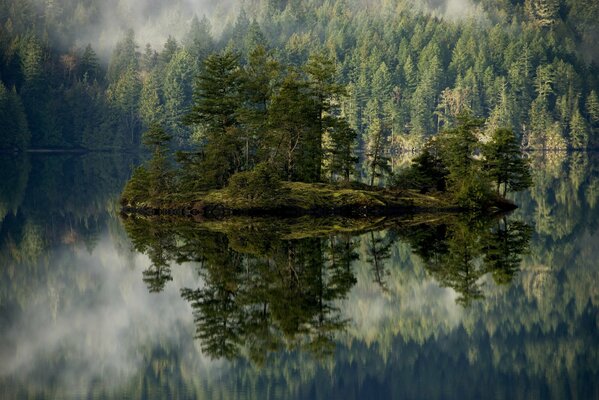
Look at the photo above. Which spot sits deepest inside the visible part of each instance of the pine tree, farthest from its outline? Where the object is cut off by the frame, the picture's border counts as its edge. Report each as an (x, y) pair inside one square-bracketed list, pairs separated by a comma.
[(177, 94), (199, 39), (216, 96), (325, 91), (159, 171), (124, 57), (342, 151), (124, 94), (15, 133), (171, 47), (292, 124), (579, 135), (151, 109), (89, 66), (259, 82), (378, 162), (504, 163)]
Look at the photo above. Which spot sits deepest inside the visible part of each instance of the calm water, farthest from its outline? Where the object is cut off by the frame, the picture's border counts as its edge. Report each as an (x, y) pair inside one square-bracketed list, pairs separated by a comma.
[(92, 306)]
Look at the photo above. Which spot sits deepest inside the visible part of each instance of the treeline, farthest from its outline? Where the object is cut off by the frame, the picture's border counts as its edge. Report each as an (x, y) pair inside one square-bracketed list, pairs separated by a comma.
[(406, 72)]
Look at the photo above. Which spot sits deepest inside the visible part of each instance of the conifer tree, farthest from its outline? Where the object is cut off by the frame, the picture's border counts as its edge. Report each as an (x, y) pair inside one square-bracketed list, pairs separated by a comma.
[(504, 163), (216, 97)]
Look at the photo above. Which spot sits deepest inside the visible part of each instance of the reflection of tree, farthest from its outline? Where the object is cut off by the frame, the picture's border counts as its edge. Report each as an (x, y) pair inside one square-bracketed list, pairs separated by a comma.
[(158, 243), (504, 248), (458, 254), (379, 250), (260, 297), (270, 298), (217, 310), (462, 265)]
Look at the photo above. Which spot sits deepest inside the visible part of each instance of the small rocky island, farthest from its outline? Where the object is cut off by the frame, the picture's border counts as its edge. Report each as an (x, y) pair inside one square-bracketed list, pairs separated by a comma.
[(289, 151)]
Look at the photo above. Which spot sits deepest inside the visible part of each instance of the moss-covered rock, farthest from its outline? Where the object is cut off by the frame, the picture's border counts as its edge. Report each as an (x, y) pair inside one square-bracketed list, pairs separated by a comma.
[(298, 198)]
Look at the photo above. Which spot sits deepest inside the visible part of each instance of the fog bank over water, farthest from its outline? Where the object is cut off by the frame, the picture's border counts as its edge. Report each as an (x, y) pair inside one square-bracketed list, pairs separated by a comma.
[(99, 325)]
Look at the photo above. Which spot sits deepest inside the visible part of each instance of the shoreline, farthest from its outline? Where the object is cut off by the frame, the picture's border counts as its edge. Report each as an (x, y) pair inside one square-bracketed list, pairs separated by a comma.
[(303, 199)]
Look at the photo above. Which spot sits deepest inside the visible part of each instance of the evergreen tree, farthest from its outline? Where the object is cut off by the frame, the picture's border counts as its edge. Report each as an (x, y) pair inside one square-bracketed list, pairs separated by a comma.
[(151, 109), (216, 96), (177, 94), (154, 179), (15, 132), (159, 171), (504, 162), (325, 91), (378, 162), (290, 117), (124, 94), (124, 57), (171, 47), (89, 66), (199, 39), (579, 136), (260, 78), (465, 179), (342, 151)]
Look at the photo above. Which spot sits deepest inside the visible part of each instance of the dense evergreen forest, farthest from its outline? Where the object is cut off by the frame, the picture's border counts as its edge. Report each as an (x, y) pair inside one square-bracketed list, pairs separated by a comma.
[(406, 69)]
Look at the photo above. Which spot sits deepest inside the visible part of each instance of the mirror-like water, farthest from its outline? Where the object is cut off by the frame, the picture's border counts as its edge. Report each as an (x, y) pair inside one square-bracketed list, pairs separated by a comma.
[(427, 306)]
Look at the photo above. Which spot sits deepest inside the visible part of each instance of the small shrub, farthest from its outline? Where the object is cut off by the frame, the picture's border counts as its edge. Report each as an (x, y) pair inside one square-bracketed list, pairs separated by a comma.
[(472, 193), (261, 183)]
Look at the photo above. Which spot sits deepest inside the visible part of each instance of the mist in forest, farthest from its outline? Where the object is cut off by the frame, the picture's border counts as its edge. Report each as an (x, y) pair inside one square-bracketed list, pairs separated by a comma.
[(104, 23)]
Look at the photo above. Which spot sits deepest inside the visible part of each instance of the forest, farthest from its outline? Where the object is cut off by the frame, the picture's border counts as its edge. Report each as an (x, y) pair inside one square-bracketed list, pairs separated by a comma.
[(404, 70)]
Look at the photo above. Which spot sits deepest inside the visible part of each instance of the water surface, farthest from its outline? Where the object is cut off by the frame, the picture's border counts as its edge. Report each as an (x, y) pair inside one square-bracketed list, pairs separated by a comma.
[(427, 307)]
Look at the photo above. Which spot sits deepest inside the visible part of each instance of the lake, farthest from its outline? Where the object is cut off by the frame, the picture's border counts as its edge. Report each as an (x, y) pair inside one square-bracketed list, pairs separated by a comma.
[(93, 305)]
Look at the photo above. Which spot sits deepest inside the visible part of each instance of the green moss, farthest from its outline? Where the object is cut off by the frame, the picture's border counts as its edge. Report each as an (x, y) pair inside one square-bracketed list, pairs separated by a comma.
[(299, 197)]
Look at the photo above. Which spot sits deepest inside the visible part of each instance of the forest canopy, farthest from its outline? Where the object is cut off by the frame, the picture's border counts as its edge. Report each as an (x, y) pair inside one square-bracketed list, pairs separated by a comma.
[(405, 72)]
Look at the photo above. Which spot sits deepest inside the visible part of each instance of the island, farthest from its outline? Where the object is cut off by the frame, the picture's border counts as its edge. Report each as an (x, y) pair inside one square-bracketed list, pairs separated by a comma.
[(288, 150)]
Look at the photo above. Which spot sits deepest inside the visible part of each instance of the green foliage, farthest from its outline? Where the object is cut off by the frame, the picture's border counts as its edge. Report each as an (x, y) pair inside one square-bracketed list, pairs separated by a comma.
[(261, 183), (457, 162), (525, 67), (427, 172), (136, 191), (15, 132), (504, 162), (217, 94), (153, 180), (341, 152)]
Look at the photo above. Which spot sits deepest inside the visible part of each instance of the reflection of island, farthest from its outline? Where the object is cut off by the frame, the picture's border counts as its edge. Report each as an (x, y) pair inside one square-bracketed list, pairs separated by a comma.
[(275, 284), (457, 255)]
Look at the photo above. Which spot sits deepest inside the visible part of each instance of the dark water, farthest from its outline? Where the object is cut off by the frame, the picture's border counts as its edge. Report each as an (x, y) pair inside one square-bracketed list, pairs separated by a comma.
[(92, 306)]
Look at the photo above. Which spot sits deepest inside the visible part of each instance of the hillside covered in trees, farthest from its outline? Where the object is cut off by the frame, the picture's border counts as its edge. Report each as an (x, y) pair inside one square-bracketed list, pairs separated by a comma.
[(405, 69)]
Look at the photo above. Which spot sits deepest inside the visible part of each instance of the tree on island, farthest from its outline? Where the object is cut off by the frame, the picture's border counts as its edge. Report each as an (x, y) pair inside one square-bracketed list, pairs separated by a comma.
[(341, 154), (504, 162), (457, 162), (269, 125), (155, 177), (253, 114)]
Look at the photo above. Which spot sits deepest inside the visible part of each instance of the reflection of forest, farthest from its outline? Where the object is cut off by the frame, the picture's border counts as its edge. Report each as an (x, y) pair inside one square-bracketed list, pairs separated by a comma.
[(263, 293), (534, 338), (49, 200)]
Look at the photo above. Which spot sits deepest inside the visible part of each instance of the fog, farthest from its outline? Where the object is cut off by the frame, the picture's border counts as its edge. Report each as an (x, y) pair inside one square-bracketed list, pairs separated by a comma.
[(450, 9), (407, 297), (104, 23), (97, 323)]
